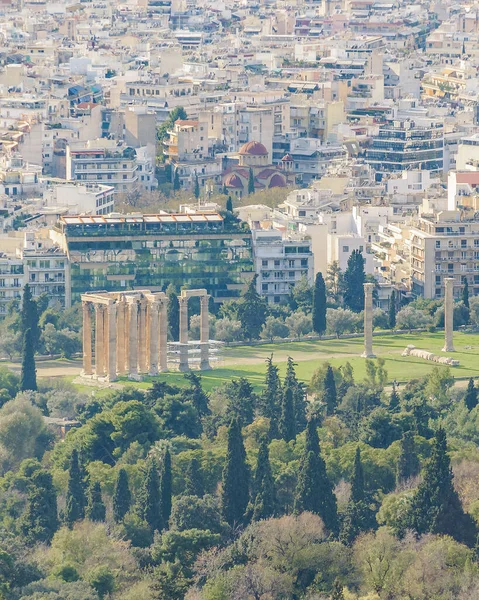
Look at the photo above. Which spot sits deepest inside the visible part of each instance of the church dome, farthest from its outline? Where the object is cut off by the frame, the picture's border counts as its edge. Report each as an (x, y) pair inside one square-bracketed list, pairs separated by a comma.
[(233, 181), (253, 149)]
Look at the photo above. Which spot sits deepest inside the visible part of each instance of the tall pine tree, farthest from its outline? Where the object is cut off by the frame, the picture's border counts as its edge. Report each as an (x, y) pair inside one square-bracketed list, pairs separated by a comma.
[(39, 522), (75, 497), (394, 404), (29, 316), (354, 279), (121, 496), (408, 462), (251, 181), (358, 491), (28, 379), (330, 396), (314, 491), (392, 310), (173, 313), (470, 399), (229, 204), (165, 488), (196, 190), (149, 507), (264, 498), (269, 403), (95, 511), (319, 305), (235, 493), (252, 311), (465, 294), (176, 181), (287, 425), (194, 485), (299, 395)]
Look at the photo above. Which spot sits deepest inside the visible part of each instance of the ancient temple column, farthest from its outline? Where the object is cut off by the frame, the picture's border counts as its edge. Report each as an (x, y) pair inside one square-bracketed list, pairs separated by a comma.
[(110, 335), (133, 338), (121, 338), (99, 340), (183, 333), (142, 338), (152, 328), (448, 314), (368, 321), (87, 350), (204, 334), (163, 335)]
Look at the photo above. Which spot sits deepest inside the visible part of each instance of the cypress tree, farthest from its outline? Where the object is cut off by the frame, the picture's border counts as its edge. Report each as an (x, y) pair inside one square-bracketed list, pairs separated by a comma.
[(165, 488), (264, 490), (75, 497), (330, 396), (465, 294), (229, 204), (252, 311), (269, 403), (39, 522), (29, 315), (196, 190), (149, 508), (358, 492), (394, 404), (225, 191), (408, 462), (173, 313), (319, 305), (251, 181), (95, 511), (358, 516), (436, 507), (235, 491), (337, 591), (194, 485), (28, 379), (287, 426), (300, 407), (312, 439), (176, 181), (121, 496), (470, 399), (354, 279), (392, 310)]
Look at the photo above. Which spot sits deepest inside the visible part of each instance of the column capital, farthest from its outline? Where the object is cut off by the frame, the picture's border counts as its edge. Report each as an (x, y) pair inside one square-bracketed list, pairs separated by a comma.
[(183, 300)]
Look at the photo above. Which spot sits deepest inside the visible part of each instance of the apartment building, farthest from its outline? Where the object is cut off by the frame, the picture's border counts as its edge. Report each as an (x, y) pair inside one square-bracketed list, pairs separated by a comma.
[(11, 281), (444, 245), (89, 198)]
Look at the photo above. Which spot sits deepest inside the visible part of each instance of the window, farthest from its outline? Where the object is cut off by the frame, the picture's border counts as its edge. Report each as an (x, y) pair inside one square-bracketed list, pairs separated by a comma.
[(44, 264), (463, 243), (438, 243), (291, 263), (264, 287), (277, 299), (291, 274), (277, 263), (125, 176), (345, 248), (438, 267), (304, 262), (438, 279), (264, 263)]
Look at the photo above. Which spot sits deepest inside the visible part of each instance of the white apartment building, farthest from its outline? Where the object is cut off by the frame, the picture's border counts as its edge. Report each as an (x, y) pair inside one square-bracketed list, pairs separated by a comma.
[(89, 198), (280, 263), (11, 281)]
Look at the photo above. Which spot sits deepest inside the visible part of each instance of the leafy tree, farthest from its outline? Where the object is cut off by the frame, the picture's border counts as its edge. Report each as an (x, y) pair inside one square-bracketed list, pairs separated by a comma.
[(196, 190), (410, 318), (39, 522), (269, 402), (436, 507), (165, 488), (392, 310), (177, 113), (330, 397), (241, 400), (314, 491), (176, 181), (287, 425), (173, 313), (319, 305), (29, 373), (302, 296), (29, 316), (465, 294), (194, 484), (264, 492), (252, 311), (121, 496), (149, 501), (408, 462), (274, 327), (95, 511), (337, 591), (75, 497), (470, 399), (102, 580), (192, 512), (394, 404), (229, 204), (334, 282), (340, 320), (354, 278), (299, 323), (235, 491), (251, 181), (195, 393)]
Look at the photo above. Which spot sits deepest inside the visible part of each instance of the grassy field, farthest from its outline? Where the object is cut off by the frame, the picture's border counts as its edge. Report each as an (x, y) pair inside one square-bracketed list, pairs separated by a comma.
[(250, 361)]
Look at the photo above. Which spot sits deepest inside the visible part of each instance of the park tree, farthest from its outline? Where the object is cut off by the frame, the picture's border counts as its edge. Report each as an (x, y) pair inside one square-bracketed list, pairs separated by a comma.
[(299, 394), (121, 496), (314, 491), (194, 484), (173, 313), (75, 498), (287, 425), (39, 522), (470, 399), (269, 402), (165, 488), (319, 305), (330, 398), (358, 516), (251, 181), (264, 500), (411, 318), (29, 316), (394, 403), (337, 591), (392, 310), (28, 379), (95, 510), (252, 311), (176, 181), (235, 492), (149, 503), (408, 461), (177, 113), (196, 190), (354, 278), (435, 506), (465, 294), (340, 320), (334, 282), (229, 204)]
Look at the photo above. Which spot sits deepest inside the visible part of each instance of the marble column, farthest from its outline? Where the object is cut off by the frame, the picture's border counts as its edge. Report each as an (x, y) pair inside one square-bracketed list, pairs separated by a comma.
[(121, 338), (87, 350), (133, 338), (110, 336), (163, 335), (183, 333), (368, 321), (153, 318), (99, 340), (204, 334), (142, 338), (448, 314)]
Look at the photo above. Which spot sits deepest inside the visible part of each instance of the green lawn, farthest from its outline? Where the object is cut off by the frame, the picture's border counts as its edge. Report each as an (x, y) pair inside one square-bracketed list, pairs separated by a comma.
[(250, 361)]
